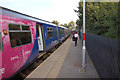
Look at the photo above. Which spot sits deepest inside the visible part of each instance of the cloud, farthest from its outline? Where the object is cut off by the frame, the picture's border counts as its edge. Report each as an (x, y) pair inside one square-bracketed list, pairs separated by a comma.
[(7, 1), (101, 0), (19, 5)]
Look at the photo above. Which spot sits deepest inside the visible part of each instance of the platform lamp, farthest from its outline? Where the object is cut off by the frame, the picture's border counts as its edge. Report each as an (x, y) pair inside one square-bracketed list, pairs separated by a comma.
[(83, 48)]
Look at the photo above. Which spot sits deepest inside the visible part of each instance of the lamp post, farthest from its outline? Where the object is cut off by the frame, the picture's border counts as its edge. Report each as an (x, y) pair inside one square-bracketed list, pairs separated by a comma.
[(83, 48)]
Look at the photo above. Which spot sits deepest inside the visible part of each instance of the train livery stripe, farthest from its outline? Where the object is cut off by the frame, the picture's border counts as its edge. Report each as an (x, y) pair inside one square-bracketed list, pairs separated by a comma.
[(34, 54)]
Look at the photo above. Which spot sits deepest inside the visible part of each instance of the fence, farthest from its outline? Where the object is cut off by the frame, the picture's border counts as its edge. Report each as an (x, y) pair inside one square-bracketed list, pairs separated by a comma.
[(104, 54)]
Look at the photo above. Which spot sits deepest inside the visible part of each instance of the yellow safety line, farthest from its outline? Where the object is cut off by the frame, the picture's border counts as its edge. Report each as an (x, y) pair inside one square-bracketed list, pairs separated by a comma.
[(47, 58), (41, 55), (41, 63)]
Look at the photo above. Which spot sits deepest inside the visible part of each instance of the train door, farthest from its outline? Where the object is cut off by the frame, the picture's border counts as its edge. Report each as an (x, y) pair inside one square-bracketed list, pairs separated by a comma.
[(40, 37)]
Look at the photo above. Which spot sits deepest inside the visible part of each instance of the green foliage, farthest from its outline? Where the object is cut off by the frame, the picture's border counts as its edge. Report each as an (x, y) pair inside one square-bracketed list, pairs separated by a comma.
[(119, 20), (71, 23), (61, 25), (55, 22), (65, 25), (101, 18)]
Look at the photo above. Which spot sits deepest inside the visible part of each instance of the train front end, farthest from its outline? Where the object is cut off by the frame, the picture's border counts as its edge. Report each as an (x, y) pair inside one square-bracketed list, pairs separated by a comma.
[(17, 43), (1, 69)]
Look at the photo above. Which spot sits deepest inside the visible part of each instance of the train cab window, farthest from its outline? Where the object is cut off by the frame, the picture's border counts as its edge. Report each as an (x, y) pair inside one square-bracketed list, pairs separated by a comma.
[(21, 37), (25, 27), (50, 32), (14, 27)]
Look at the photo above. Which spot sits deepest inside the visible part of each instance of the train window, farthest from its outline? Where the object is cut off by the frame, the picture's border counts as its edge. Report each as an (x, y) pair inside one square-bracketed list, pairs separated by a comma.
[(47, 29), (14, 27), (19, 38), (25, 27), (56, 31), (61, 32), (50, 32)]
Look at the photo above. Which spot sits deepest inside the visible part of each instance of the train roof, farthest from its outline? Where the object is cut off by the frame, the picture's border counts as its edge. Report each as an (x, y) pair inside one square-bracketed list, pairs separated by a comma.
[(63, 27), (7, 11)]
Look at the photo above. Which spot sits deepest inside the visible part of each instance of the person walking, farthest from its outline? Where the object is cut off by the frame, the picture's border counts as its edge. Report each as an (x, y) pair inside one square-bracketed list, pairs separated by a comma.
[(76, 38)]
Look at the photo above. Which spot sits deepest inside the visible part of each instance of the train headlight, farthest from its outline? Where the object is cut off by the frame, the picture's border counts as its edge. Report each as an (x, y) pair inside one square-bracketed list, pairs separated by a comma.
[(5, 31)]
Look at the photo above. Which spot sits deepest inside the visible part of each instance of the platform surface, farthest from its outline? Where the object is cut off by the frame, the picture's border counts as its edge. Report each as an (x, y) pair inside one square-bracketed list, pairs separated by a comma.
[(65, 62)]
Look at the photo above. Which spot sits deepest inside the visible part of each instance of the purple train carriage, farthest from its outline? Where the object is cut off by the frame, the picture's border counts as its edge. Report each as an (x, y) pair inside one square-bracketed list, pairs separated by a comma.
[(22, 38)]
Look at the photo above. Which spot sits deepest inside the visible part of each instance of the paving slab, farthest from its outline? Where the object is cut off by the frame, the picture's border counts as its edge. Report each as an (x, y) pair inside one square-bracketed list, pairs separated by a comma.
[(72, 67), (45, 69), (65, 62)]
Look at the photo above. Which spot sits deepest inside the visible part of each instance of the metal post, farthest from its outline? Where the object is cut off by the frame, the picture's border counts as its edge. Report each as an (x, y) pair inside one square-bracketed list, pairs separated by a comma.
[(83, 48)]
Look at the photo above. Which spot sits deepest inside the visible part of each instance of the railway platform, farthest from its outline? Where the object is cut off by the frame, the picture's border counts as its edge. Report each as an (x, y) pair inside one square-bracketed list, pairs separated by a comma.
[(65, 62)]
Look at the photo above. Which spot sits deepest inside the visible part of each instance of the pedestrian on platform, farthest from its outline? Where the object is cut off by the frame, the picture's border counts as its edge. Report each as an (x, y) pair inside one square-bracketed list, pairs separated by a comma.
[(76, 36)]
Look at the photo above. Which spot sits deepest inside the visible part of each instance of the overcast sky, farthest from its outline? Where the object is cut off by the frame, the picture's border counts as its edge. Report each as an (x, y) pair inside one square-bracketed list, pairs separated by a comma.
[(60, 10)]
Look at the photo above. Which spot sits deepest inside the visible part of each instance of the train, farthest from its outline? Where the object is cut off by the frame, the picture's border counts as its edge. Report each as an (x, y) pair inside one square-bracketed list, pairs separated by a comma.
[(23, 38)]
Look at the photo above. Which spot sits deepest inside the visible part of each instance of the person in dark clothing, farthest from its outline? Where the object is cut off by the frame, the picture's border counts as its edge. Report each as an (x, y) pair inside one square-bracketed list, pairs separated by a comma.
[(76, 38)]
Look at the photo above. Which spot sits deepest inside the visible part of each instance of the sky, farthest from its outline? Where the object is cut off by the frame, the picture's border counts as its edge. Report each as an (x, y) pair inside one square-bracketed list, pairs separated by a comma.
[(60, 10)]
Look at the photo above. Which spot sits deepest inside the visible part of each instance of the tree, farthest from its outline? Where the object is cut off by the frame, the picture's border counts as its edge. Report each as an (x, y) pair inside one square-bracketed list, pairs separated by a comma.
[(55, 22), (101, 18), (65, 25), (71, 23), (79, 13), (61, 25), (119, 21)]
